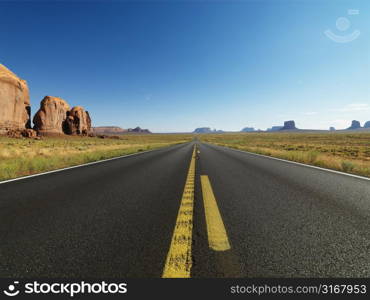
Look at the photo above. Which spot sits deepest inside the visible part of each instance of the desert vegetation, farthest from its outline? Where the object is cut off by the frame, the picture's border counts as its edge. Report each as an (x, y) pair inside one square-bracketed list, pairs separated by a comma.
[(20, 157), (347, 152)]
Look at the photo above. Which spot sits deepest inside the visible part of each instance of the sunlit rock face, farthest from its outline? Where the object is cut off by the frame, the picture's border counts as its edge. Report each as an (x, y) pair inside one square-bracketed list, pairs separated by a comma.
[(50, 118), (78, 121), (15, 106)]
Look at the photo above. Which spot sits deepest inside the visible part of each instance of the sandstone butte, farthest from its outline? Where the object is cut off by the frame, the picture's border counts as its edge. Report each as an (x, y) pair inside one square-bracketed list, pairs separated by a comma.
[(50, 118), (15, 106), (55, 117), (78, 121)]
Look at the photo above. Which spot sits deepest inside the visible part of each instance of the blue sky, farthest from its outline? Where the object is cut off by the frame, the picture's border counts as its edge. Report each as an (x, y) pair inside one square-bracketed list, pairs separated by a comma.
[(174, 66)]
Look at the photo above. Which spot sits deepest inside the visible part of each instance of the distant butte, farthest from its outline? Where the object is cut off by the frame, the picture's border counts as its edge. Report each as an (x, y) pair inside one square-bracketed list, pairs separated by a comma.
[(109, 130)]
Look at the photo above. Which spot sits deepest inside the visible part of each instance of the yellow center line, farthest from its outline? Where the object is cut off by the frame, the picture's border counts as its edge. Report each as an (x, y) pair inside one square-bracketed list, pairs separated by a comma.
[(217, 237), (179, 260)]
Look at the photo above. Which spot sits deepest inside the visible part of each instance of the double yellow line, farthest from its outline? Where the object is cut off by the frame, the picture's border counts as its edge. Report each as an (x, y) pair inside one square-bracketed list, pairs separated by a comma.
[(179, 258), (179, 261)]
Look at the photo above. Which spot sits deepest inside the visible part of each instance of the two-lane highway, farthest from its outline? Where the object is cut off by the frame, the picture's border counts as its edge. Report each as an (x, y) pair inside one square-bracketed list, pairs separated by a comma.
[(203, 211)]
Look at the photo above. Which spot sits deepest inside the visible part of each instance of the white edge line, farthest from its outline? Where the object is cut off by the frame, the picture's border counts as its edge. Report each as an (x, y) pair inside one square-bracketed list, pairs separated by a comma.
[(81, 165), (296, 163)]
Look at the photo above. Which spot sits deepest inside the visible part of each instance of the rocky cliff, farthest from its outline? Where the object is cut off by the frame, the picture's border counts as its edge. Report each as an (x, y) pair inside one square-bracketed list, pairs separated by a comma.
[(15, 106), (50, 118), (78, 121), (55, 118)]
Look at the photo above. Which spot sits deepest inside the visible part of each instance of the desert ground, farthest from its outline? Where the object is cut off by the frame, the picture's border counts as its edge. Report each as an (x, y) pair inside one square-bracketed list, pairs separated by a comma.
[(346, 152), (21, 157)]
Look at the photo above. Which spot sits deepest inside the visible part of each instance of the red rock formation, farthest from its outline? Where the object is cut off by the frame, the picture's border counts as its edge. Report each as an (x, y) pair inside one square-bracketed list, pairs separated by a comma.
[(50, 118), (29, 133), (21, 133), (53, 117), (14, 102), (78, 121)]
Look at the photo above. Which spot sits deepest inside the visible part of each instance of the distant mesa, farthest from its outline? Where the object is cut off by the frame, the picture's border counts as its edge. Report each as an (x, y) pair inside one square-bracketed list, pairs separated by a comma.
[(289, 125), (367, 124), (55, 117), (207, 130), (15, 107), (275, 128), (138, 130), (355, 125), (331, 129), (248, 129), (109, 130), (203, 130)]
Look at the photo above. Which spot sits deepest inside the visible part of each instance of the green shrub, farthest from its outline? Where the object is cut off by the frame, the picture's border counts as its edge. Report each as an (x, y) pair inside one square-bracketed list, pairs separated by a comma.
[(347, 166)]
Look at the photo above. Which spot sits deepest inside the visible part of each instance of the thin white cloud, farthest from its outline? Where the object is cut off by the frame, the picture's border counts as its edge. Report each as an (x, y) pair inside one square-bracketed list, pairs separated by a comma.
[(310, 113), (353, 107)]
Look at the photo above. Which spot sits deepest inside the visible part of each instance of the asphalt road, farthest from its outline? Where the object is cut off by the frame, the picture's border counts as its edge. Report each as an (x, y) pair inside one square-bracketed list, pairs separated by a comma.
[(116, 218)]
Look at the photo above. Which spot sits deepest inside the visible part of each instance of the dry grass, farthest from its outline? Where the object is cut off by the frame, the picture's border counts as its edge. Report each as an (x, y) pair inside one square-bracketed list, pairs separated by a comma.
[(347, 152), (20, 157)]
